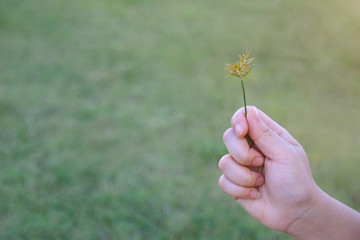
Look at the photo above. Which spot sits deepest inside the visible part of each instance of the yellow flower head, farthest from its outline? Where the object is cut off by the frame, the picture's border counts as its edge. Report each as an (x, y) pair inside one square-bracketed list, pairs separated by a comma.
[(241, 68)]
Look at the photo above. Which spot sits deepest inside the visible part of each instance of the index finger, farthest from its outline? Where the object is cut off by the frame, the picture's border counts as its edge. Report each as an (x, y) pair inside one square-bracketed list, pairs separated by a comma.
[(241, 152), (239, 123)]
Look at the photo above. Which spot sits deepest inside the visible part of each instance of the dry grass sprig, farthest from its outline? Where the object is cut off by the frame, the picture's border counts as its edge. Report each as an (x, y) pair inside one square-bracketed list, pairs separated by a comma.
[(241, 69)]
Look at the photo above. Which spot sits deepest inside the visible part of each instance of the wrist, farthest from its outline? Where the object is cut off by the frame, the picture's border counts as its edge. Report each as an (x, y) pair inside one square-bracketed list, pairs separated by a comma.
[(308, 224)]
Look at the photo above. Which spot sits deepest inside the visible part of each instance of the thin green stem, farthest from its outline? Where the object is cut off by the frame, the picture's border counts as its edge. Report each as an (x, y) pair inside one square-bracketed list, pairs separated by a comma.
[(243, 89)]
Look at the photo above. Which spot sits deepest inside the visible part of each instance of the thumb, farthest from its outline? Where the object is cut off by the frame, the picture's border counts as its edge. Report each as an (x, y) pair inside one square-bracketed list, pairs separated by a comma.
[(266, 139)]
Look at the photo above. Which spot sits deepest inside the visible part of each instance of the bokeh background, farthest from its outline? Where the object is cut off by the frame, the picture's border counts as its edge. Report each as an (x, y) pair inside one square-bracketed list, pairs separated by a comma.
[(112, 112)]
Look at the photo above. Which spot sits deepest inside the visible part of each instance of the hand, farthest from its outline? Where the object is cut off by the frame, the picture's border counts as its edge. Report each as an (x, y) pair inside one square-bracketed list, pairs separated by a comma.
[(283, 190)]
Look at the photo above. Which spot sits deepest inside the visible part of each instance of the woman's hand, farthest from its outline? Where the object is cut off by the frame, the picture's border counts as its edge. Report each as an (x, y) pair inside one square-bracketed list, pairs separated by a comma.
[(272, 180), (280, 192)]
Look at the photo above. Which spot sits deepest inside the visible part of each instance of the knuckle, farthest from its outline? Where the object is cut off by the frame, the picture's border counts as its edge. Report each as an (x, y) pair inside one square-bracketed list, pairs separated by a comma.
[(242, 157), (251, 109), (235, 117), (227, 134), (266, 130), (223, 162), (222, 182)]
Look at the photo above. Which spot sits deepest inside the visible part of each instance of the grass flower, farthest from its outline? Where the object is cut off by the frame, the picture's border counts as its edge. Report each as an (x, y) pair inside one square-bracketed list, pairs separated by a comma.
[(241, 69)]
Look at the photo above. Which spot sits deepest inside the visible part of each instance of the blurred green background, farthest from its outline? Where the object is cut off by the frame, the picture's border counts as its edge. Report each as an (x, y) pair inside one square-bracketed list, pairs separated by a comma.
[(112, 112)]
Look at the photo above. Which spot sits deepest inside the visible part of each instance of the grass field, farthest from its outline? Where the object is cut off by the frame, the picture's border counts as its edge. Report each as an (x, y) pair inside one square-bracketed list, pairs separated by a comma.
[(112, 112)]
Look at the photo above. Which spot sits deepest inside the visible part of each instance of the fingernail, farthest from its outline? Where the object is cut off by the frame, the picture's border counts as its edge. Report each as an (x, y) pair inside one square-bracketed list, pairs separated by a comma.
[(260, 180), (238, 130), (258, 162), (254, 194)]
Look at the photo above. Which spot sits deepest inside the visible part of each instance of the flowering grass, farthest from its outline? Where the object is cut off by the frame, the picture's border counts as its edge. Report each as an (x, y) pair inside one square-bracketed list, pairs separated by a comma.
[(240, 70)]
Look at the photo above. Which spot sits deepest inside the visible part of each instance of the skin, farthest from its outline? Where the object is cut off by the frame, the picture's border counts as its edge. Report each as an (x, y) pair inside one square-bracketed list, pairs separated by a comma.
[(272, 180)]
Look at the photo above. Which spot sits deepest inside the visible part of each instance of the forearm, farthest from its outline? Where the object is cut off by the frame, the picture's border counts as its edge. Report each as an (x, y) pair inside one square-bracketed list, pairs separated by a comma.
[(327, 219)]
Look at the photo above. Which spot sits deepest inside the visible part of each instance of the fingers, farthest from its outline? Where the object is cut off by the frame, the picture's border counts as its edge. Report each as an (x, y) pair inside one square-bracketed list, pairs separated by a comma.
[(239, 123), (236, 191), (266, 134), (240, 119), (240, 175), (238, 181), (240, 151)]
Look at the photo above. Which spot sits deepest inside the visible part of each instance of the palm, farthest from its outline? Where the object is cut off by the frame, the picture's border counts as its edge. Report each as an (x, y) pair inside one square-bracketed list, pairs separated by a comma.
[(289, 188), (276, 208)]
